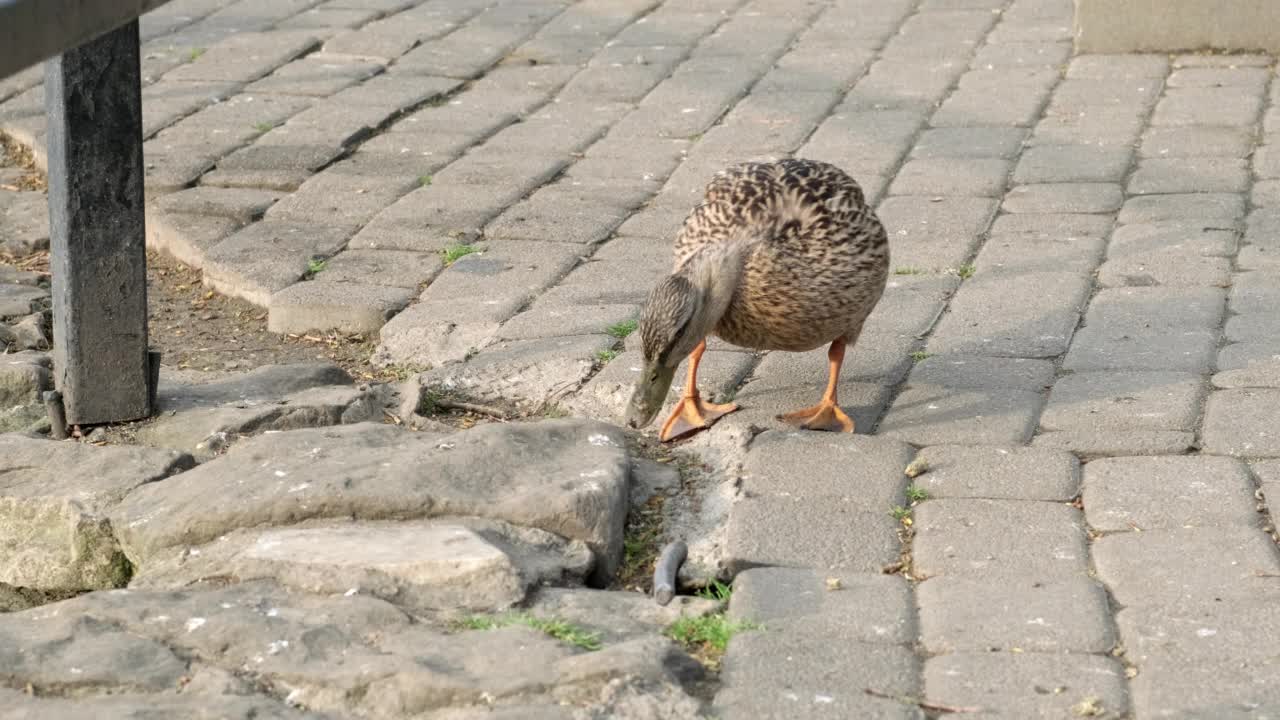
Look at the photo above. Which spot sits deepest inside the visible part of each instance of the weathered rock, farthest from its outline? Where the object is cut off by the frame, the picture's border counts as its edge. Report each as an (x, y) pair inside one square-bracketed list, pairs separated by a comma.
[(448, 565), (133, 706), (568, 477), (205, 419), (54, 499), (23, 376), (28, 333)]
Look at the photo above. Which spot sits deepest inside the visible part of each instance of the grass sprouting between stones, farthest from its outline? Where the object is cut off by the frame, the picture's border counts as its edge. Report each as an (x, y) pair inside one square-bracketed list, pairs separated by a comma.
[(195, 53), (916, 494), (901, 514), (966, 271), (708, 636), (454, 253), (562, 630), (315, 266), (622, 329), (919, 355), (263, 127), (604, 356), (425, 180)]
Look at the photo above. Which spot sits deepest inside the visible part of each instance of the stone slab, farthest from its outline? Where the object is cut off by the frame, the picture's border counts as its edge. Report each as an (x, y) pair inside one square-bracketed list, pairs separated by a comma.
[(1026, 685), (1204, 564), (348, 307), (1030, 315), (1124, 401), (1113, 26), (939, 415), (865, 608), (857, 469), (1064, 198), (819, 533), (1243, 423)]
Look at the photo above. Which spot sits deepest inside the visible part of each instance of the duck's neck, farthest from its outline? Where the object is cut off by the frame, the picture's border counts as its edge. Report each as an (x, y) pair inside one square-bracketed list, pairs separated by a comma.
[(715, 271)]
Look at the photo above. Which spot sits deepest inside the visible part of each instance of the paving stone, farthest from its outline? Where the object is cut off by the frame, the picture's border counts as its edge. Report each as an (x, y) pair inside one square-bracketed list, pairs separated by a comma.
[(1265, 194), (165, 103), (316, 77), (1165, 269), (17, 300), (1248, 364), (959, 614), (1196, 141), (1002, 97), (893, 85), (1092, 443), (976, 371), (866, 142), (822, 678), (998, 540), (281, 179), (266, 257), (23, 377), (1197, 206), (981, 177), (1124, 401), (1173, 239), (976, 142), (822, 533), (787, 387), (435, 217), (1026, 685), (1268, 474), (1204, 565), (1014, 473), (807, 465), (1156, 309), (243, 205), (1111, 96), (1022, 54), (390, 268), (878, 357), (552, 320), (866, 608), (558, 214), (246, 56), (1026, 252), (934, 235), (1256, 327), (1122, 494), (187, 238), (1186, 175), (326, 17), (342, 306), (1255, 78), (1030, 315), (1105, 127), (1242, 422), (1197, 658), (1051, 225), (1226, 106), (1072, 163), (336, 199), (938, 415), (1263, 250), (1064, 198)]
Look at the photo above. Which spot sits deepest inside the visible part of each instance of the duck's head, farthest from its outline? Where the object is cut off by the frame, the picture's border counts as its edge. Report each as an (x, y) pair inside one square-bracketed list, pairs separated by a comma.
[(669, 329)]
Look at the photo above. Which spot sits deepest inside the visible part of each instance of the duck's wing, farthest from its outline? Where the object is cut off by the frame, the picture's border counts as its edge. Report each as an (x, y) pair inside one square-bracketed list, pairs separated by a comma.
[(739, 197)]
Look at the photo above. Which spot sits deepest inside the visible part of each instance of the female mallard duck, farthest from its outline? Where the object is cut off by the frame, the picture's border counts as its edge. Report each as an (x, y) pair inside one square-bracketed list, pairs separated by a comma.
[(783, 255)]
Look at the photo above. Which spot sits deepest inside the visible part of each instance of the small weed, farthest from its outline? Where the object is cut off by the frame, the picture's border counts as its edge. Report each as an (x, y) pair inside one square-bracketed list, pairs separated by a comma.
[(966, 271), (554, 411), (428, 403), (908, 271), (314, 266), (717, 591), (919, 355), (901, 514), (604, 356), (622, 329), (401, 373), (709, 635), (454, 253), (916, 494), (263, 127), (425, 180), (561, 630), (195, 53)]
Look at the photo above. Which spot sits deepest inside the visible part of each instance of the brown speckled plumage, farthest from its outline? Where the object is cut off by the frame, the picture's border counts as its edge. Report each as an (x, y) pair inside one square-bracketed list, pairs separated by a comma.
[(814, 259)]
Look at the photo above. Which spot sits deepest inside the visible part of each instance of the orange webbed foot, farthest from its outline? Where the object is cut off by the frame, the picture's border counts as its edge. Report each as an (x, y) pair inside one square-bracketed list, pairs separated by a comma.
[(823, 416), (692, 414)]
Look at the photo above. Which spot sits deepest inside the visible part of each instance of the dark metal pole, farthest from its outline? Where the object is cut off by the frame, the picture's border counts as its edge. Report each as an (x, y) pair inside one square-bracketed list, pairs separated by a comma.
[(93, 96)]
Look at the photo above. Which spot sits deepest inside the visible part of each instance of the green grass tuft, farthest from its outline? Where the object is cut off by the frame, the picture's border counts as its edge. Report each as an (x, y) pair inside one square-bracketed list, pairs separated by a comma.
[(195, 53), (562, 630), (314, 266), (263, 126), (425, 180), (454, 253), (900, 513), (604, 356), (919, 355), (916, 494), (966, 271), (622, 329)]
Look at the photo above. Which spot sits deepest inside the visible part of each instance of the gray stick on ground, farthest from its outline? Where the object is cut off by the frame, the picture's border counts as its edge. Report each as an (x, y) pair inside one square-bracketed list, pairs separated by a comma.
[(664, 573)]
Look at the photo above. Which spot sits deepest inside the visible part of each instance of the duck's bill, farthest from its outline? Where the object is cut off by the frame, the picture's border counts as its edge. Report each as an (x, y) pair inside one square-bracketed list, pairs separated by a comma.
[(649, 394)]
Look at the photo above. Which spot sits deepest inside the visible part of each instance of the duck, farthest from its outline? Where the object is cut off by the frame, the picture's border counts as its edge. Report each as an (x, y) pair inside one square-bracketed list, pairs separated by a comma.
[(783, 255)]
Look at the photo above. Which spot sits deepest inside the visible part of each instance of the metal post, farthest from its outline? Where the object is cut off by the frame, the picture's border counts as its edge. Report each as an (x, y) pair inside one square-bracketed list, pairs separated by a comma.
[(93, 96)]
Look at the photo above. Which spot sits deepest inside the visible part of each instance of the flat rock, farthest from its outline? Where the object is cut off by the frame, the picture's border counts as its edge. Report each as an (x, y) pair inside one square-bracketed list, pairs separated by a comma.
[(455, 565), (349, 655), (1025, 685), (842, 606), (1013, 473), (23, 376), (205, 418), (568, 477), (54, 501)]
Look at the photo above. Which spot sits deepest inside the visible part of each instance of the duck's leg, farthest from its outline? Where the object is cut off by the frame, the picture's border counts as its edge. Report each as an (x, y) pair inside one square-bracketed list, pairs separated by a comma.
[(826, 415), (692, 413)]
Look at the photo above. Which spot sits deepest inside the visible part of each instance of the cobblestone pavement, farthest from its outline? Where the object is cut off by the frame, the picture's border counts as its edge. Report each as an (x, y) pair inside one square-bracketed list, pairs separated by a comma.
[(1081, 337)]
